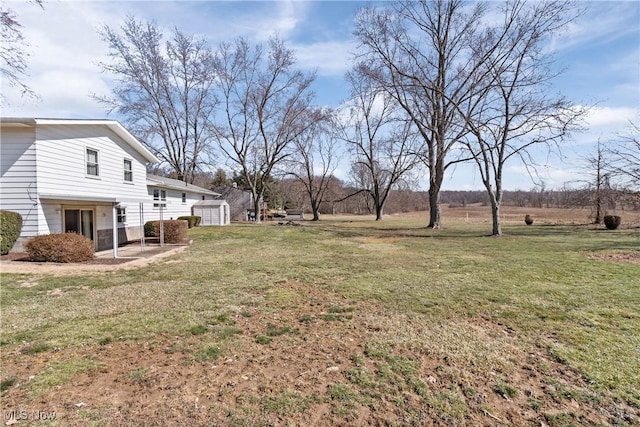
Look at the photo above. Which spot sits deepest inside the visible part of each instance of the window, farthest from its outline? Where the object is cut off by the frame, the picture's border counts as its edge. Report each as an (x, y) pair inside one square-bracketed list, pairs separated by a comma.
[(184, 197), (159, 198), (128, 170), (202, 197), (122, 214), (93, 168)]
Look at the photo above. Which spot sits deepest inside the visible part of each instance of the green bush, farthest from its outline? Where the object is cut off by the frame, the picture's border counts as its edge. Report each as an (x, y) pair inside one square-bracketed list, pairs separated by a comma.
[(612, 221), (192, 220), (175, 231), (62, 247), (149, 227), (10, 227)]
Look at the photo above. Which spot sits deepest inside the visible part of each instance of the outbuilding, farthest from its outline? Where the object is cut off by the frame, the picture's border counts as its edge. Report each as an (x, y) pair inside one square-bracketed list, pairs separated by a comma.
[(212, 212)]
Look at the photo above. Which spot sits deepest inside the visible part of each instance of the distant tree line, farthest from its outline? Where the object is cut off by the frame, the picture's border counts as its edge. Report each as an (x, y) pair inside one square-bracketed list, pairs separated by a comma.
[(342, 197)]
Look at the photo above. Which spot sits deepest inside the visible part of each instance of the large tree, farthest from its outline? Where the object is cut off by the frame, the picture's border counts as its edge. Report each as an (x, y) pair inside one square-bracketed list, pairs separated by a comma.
[(164, 91), (265, 104), (380, 137), (418, 52), (13, 51), (315, 157), (514, 107)]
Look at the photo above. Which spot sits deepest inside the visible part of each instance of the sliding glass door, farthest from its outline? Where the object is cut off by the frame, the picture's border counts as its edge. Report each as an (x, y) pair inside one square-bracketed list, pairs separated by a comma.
[(79, 221)]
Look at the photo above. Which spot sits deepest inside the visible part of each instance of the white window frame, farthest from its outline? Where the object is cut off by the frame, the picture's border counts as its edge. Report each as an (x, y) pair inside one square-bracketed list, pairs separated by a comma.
[(87, 163), (121, 212), (159, 198), (125, 171)]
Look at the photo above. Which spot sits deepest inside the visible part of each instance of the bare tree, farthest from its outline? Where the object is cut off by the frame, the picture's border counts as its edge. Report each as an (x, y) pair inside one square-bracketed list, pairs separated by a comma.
[(12, 51), (626, 157), (598, 183), (418, 51), (315, 158), (264, 108), (380, 137), (513, 109), (164, 91)]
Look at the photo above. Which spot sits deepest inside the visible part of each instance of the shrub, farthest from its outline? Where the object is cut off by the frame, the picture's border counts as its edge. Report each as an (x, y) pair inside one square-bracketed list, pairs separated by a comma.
[(612, 221), (192, 220), (528, 219), (10, 227), (62, 247), (149, 228), (175, 231)]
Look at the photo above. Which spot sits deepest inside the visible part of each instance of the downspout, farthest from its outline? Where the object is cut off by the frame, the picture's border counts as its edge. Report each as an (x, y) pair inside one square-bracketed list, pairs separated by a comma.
[(114, 215), (142, 241)]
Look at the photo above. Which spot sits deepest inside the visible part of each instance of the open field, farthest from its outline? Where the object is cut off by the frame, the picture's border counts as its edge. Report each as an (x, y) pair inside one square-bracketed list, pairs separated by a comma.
[(341, 322)]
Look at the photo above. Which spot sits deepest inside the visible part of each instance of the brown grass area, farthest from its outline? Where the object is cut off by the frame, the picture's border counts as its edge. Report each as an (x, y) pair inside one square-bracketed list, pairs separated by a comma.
[(329, 370), (478, 214)]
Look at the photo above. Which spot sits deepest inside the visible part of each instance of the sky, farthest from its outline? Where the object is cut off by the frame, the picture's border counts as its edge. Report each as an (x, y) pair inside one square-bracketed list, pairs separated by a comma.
[(599, 53)]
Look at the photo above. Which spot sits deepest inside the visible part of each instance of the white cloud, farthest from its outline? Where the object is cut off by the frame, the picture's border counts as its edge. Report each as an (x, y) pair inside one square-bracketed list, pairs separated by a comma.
[(332, 58), (256, 21), (601, 23), (64, 49), (604, 117)]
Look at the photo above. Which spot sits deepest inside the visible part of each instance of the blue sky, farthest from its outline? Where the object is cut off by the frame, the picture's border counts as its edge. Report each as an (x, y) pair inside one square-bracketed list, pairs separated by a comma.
[(600, 52)]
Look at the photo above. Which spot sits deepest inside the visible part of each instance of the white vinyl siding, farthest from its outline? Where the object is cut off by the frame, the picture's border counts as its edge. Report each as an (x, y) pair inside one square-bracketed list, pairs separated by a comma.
[(174, 206), (61, 161), (18, 184)]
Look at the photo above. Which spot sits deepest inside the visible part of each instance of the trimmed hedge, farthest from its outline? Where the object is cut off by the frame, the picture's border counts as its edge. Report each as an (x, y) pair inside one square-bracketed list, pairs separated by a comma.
[(10, 227), (148, 228), (60, 247), (192, 220), (612, 221), (175, 231)]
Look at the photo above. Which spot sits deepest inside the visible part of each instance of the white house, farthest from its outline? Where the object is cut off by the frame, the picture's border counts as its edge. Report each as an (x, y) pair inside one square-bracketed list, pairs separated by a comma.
[(85, 176), (176, 196)]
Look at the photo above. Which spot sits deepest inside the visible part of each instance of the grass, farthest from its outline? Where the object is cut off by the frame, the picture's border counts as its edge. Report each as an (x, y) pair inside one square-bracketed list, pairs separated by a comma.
[(432, 290), (285, 403), (58, 373)]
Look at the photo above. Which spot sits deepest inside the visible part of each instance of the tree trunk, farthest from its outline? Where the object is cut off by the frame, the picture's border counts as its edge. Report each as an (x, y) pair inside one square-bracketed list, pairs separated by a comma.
[(495, 198), (434, 208), (495, 215), (378, 212), (598, 218), (316, 214), (256, 205)]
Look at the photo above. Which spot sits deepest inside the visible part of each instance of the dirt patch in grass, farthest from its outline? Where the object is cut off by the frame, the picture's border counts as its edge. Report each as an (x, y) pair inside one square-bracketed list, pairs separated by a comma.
[(632, 257), (325, 363)]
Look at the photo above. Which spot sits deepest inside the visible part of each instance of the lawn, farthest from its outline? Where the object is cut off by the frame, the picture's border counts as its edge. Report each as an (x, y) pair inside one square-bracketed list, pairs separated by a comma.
[(345, 321)]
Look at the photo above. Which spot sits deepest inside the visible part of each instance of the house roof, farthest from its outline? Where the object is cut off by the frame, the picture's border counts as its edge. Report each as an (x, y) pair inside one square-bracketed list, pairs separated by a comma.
[(205, 203), (113, 125), (174, 184)]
